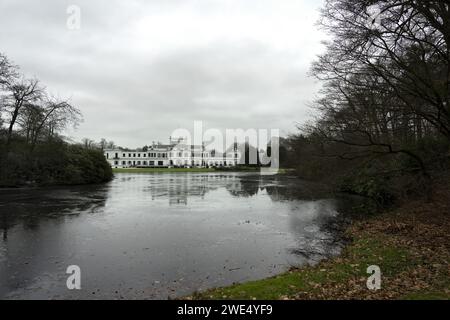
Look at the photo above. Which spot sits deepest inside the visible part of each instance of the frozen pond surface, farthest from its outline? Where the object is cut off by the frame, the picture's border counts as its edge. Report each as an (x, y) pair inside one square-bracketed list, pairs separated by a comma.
[(156, 236)]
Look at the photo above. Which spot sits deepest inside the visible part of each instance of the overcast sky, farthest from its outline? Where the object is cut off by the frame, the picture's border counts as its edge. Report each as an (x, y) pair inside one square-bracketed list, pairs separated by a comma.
[(139, 69)]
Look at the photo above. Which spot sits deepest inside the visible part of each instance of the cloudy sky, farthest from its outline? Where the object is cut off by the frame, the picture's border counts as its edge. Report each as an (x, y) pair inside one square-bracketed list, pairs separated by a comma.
[(139, 69)]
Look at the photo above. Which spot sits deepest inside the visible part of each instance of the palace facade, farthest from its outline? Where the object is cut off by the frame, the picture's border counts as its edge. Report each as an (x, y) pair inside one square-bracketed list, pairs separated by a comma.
[(174, 154)]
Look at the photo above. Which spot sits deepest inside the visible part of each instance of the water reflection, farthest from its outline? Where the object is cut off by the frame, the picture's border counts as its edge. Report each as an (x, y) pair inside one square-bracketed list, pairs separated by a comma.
[(31, 207), (313, 242), (178, 188), (158, 235)]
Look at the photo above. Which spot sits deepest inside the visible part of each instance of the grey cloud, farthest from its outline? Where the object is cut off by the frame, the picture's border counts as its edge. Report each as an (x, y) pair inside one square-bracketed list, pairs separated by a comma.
[(133, 95)]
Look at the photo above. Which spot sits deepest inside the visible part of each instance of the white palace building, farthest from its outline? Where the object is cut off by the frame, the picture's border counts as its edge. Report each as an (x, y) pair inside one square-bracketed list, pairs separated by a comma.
[(175, 154)]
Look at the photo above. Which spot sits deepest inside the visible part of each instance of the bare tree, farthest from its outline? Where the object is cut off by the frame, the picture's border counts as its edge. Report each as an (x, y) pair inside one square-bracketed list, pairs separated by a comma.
[(385, 103), (56, 116), (88, 143), (29, 119), (407, 49), (8, 72), (103, 144), (23, 92), (368, 121)]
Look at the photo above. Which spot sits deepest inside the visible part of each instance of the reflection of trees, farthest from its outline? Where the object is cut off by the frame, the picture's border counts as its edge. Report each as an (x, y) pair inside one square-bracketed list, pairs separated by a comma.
[(282, 188), (179, 187), (4, 225), (35, 239), (278, 188), (243, 187), (314, 225), (31, 207)]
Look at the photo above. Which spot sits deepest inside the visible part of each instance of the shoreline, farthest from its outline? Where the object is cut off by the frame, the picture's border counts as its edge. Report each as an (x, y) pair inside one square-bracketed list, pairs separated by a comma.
[(49, 186), (31, 186), (410, 244), (187, 170)]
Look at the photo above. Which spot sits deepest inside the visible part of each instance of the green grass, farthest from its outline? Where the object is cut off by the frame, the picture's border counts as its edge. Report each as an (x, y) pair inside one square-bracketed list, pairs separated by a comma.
[(357, 257), (162, 170), (157, 170)]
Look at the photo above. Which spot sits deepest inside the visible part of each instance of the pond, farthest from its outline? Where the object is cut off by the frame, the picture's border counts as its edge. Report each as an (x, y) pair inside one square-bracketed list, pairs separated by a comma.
[(159, 236)]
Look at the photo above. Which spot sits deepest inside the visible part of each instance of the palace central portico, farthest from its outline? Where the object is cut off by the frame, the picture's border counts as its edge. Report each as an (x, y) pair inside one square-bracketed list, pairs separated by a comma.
[(174, 154)]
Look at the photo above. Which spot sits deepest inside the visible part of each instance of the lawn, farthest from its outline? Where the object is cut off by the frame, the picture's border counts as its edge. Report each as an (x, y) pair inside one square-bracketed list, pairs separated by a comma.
[(162, 170), (171, 170)]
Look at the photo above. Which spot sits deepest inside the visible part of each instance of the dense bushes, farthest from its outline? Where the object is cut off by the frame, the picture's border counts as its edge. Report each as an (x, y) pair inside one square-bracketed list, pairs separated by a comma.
[(385, 178), (51, 163), (86, 166), (32, 151)]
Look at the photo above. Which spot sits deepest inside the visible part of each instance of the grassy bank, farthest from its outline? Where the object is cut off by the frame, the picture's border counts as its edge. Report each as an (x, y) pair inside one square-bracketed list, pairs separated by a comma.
[(410, 244), (171, 170), (157, 170)]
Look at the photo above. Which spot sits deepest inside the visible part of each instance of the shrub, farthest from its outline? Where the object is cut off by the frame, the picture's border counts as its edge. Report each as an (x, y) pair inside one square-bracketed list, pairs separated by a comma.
[(52, 163)]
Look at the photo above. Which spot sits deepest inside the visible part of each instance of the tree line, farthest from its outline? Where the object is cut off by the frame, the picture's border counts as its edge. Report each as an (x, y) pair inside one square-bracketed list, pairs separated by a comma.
[(383, 116), (32, 150)]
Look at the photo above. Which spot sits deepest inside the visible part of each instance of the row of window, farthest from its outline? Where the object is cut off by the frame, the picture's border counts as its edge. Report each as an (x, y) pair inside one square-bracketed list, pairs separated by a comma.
[(161, 155), (178, 162), (196, 155), (138, 155), (138, 163)]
